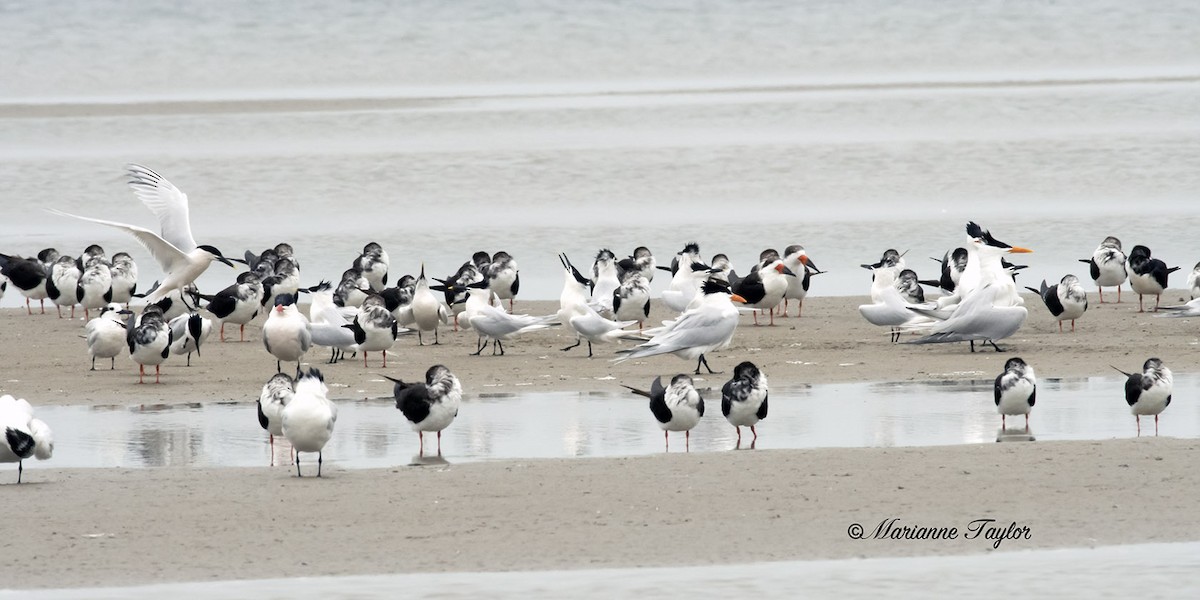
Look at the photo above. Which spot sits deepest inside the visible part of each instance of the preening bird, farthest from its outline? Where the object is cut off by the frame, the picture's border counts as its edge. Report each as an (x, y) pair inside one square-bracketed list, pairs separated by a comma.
[(24, 435), (429, 406), (744, 399), (1148, 392), (276, 393), (676, 408), (1015, 391), (1066, 300)]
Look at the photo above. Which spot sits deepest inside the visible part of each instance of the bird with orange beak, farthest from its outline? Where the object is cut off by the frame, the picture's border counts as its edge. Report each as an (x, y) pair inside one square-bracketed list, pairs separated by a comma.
[(707, 326)]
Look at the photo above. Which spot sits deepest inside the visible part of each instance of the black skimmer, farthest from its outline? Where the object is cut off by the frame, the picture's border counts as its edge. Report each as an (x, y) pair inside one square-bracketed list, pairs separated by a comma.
[(28, 275), (429, 406), (631, 301), (1015, 391), (276, 393), (763, 288), (797, 261), (1066, 300), (94, 289), (676, 408), (605, 281), (373, 264), (237, 304), (1107, 266), (188, 332), (25, 436), (375, 328), (62, 284), (744, 399), (124, 273), (503, 279), (1148, 392), (642, 261), (1147, 275), (149, 340)]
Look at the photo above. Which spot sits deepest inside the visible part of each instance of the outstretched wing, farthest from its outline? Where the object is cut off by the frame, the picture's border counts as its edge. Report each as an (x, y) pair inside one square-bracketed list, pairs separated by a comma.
[(168, 256), (166, 202)]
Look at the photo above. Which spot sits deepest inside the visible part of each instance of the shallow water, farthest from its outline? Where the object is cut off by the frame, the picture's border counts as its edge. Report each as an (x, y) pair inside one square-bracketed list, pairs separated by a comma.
[(507, 426), (1142, 570)]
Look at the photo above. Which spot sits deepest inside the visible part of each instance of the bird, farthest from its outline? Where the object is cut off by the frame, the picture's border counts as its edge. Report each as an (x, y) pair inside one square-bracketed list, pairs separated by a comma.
[(124, 274), (427, 310), (797, 261), (62, 283), (1148, 392), (286, 279), (106, 334), (25, 436), (182, 261), (1193, 282), (605, 281), (454, 288), (763, 288), (975, 318), (276, 393), (94, 289), (888, 308), (631, 301), (493, 324), (429, 406), (327, 323), (373, 264), (985, 265), (239, 303), (188, 332), (374, 327), (352, 289), (909, 287), (687, 273), (1107, 266), (287, 334), (28, 275), (1189, 309), (1015, 391), (953, 263), (503, 278), (641, 261), (308, 418), (1147, 275), (1066, 300), (706, 327), (676, 408), (744, 399), (149, 339)]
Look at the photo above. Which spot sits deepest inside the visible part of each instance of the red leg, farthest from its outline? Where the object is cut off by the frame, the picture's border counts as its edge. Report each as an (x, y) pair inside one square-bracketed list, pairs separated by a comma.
[(1118, 293), (666, 442), (223, 334), (784, 315), (772, 317), (385, 359), (1003, 423), (1139, 424), (1100, 291), (1026, 422), (72, 311), (364, 358), (271, 436), (739, 432), (754, 432), (455, 322), (1140, 309), (756, 318), (1060, 326), (242, 334), (421, 444), (687, 441), (27, 309), (1157, 299), (155, 373), (141, 373), (1155, 425)]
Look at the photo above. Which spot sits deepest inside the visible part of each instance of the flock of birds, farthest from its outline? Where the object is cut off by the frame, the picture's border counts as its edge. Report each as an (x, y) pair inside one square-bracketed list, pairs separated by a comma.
[(980, 302)]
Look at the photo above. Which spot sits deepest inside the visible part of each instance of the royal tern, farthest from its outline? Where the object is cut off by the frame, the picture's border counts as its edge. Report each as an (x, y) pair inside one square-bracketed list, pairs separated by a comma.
[(1015, 391), (149, 339), (1107, 266), (287, 333), (188, 332), (106, 334), (309, 417), (429, 406), (984, 266), (182, 261), (1148, 392), (744, 399), (276, 393), (1147, 276), (1066, 300), (28, 275), (25, 436), (706, 327), (676, 408), (237, 304)]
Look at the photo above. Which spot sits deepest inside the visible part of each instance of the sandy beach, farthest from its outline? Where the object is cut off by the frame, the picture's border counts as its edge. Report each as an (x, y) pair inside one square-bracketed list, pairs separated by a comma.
[(90, 527)]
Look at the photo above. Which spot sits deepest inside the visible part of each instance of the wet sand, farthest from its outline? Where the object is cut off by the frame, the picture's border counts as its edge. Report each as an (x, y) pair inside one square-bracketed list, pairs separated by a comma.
[(88, 527), (45, 358)]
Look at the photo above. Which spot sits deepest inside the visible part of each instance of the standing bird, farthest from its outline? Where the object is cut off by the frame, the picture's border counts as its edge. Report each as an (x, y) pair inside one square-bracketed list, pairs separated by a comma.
[(677, 408), (106, 336), (95, 286), (744, 399), (641, 261), (493, 324), (953, 262), (62, 284), (1147, 275), (188, 332), (237, 304), (374, 328), (149, 340), (309, 417), (762, 288), (605, 281), (1107, 266), (797, 261), (1193, 282), (429, 406), (28, 275), (24, 435), (276, 393), (427, 310), (124, 277), (1067, 300), (706, 327), (287, 333), (182, 261), (503, 278), (373, 264), (631, 301), (1148, 392), (1015, 391)]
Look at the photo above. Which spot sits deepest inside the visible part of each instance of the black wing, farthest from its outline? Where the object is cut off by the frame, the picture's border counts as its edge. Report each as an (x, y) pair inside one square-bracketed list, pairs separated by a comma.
[(762, 410)]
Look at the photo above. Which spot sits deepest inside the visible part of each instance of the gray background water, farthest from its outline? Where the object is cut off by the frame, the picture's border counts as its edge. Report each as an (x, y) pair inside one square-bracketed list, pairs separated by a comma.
[(439, 128)]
